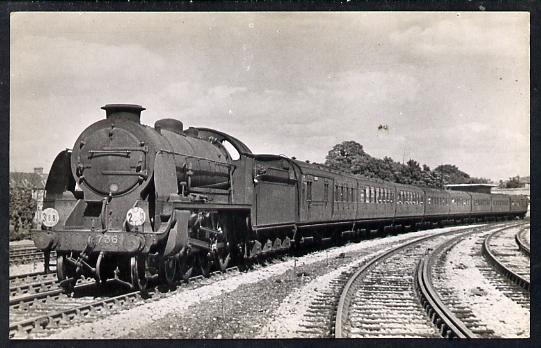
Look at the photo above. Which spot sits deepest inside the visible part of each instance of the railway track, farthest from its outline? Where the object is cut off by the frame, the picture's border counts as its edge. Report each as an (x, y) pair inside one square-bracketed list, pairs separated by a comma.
[(26, 254), (452, 319), (41, 314), (500, 250), (380, 297), (32, 283), (30, 277), (466, 310), (47, 315), (522, 237)]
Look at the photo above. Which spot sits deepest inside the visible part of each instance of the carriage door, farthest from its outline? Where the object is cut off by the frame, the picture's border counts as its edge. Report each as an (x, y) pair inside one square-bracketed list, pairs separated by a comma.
[(308, 192), (317, 197)]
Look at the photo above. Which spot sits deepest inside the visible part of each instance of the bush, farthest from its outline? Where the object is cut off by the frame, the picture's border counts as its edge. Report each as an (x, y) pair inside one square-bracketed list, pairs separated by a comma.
[(22, 209)]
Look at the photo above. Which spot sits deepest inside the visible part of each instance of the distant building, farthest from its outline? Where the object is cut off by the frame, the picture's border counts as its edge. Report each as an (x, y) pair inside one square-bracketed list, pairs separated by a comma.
[(35, 182), (481, 188), (489, 188), (525, 181)]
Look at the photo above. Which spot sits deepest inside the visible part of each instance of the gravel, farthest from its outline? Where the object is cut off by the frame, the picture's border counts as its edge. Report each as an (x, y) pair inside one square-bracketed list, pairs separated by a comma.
[(22, 243), (24, 268), (36, 266)]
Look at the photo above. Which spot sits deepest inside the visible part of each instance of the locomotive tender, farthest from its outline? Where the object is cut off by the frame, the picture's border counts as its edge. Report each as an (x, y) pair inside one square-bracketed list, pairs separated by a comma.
[(131, 201)]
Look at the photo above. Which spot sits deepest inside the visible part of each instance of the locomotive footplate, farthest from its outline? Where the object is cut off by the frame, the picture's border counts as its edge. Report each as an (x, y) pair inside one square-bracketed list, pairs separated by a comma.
[(125, 242)]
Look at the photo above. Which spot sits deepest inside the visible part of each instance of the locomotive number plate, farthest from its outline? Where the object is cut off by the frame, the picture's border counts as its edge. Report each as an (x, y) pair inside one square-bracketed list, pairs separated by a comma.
[(107, 239)]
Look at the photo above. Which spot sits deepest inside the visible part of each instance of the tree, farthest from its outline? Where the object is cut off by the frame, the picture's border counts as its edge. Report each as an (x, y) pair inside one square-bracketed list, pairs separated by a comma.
[(350, 157), (513, 182), (345, 156)]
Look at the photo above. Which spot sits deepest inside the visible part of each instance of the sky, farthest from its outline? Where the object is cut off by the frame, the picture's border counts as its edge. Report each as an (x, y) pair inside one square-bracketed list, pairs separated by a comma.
[(452, 88)]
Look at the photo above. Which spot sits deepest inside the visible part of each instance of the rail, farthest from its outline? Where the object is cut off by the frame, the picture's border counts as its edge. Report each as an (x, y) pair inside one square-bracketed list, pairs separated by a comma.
[(510, 274), (521, 242), (441, 316), (342, 312)]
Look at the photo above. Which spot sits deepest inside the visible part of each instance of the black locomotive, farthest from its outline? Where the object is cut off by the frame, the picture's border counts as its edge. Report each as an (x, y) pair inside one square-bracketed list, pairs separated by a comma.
[(130, 201)]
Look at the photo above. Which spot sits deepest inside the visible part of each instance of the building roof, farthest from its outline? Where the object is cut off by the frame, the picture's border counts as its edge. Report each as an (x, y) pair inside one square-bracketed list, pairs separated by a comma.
[(480, 188), (30, 181), (469, 185)]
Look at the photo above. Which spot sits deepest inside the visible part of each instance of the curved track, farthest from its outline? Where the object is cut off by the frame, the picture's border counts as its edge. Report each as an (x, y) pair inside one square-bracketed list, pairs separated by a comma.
[(391, 310), (388, 293), (500, 250), (449, 325), (522, 238), (441, 315)]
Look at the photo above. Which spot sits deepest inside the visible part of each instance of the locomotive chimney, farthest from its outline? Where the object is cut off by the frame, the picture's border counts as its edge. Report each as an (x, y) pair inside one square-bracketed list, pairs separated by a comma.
[(128, 112)]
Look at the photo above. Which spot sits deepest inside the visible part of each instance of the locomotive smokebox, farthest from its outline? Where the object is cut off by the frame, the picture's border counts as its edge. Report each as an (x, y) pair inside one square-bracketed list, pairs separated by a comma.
[(128, 112)]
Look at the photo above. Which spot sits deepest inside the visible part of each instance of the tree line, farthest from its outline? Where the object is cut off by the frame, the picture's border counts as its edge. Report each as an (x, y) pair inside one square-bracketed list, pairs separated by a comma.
[(350, 157)]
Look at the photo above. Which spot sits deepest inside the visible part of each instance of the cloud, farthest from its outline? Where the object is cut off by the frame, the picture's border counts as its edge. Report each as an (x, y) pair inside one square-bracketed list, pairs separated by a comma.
[(451, 87), (472, 35)]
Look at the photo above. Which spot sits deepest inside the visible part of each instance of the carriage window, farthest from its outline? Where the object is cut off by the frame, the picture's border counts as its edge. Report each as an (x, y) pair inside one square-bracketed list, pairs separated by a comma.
[(352, 195), (361, 197), (336, 192), (346, 197), (342, 193), (326, 192), (367, 195), (309, 191)]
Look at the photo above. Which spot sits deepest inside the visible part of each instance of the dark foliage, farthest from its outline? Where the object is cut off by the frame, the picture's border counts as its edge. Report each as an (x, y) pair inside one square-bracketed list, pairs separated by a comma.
[(349, 156), (21, 213), (513, 182)]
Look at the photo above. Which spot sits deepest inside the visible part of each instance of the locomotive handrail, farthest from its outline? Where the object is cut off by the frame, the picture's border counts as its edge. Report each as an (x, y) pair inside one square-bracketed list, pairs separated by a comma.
[(196, 157)]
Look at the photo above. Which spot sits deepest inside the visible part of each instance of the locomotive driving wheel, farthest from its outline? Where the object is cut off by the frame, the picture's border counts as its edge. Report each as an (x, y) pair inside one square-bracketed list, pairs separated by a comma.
[(221, 251), (185, 266), (223, 257), (138, 272), (204, 260), (99, 276), (168, 270)]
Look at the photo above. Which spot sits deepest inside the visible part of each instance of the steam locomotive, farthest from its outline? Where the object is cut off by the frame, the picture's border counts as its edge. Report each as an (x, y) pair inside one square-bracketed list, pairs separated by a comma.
[(130, 202)]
